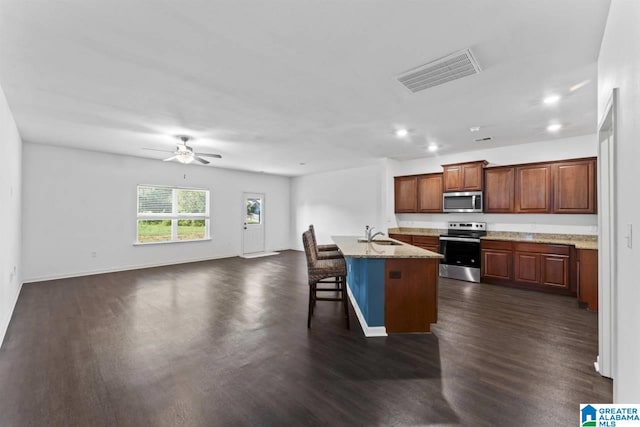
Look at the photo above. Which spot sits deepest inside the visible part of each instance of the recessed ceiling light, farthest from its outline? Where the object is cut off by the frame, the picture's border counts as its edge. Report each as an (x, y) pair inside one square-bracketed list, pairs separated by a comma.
[(432, 147), (401, 133), (474, 129), (554, 127), (552, 99), (579, 85)]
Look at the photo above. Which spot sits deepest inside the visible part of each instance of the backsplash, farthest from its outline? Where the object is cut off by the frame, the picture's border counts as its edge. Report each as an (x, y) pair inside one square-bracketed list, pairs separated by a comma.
[(525, 223)]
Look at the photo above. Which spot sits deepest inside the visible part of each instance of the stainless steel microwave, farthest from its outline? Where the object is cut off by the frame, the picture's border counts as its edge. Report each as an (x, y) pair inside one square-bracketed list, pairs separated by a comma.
[(469, 201)]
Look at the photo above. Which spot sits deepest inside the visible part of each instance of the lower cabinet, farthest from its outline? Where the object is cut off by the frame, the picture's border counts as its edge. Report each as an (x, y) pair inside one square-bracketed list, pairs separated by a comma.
[(497, 260), (555, 270), (538, 266), (527, 267), (588, 278), (410, 294)]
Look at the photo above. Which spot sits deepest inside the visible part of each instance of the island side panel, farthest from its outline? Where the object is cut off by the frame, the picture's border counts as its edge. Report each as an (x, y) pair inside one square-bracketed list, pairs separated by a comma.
[(365, 278), (411, 294)]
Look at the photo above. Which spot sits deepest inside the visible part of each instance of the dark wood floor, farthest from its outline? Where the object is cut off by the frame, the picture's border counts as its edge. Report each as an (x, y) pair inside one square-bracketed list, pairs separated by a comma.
[(225, 343)]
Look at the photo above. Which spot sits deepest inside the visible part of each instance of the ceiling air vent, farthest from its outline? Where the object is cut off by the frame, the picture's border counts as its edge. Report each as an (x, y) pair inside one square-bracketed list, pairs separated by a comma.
[(488, 138), (440, 71)]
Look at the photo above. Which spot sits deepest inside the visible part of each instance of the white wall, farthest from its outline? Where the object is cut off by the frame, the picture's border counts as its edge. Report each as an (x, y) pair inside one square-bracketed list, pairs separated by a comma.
[(619, 66), (10, 202), (557, 149), (77, 202), (337, 203)]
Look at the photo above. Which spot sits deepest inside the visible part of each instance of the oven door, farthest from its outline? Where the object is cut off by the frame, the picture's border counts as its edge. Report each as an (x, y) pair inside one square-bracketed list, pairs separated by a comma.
[(460, 251)]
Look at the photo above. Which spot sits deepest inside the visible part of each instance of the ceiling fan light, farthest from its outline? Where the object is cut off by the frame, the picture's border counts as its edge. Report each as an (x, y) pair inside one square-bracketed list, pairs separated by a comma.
[(185, 157)]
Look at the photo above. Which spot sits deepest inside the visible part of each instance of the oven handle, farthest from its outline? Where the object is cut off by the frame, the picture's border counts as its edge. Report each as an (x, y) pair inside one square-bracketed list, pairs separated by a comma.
[(460, 239)]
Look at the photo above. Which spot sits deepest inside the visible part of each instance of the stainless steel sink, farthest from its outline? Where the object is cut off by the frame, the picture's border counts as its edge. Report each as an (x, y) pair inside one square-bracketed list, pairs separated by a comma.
[(382, 242), (386, 242)]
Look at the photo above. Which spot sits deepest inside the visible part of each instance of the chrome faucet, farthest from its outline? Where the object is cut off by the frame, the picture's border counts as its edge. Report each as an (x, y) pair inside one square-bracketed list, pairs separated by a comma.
[(368, 231)]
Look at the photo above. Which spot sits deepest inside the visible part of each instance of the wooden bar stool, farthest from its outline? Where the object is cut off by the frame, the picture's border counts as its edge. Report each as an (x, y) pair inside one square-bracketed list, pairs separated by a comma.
[(324, 271)]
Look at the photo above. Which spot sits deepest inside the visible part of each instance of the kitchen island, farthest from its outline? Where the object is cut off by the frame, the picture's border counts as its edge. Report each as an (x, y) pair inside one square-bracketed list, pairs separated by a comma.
[(393, 286)]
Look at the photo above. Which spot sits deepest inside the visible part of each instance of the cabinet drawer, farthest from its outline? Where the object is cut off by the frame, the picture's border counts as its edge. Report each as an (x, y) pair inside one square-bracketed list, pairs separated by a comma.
[(430, 243), (426, 240), (406, 238), (496, 244), (541, 248)]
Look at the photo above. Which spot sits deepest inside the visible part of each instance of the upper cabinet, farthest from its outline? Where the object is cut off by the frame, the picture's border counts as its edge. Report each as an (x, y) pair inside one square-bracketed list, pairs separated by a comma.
[(565, 187), (499, 187), (533, 189), (418, 193), (430, 193), (574, 186), (464, 176), (406, 194)]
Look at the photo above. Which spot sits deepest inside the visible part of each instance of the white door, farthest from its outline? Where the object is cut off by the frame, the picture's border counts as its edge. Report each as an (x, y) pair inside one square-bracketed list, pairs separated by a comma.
[(607, 277), (252, 223)]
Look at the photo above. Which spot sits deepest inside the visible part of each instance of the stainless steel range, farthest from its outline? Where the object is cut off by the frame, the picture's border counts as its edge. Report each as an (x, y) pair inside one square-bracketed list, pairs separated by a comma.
[(461, 250)]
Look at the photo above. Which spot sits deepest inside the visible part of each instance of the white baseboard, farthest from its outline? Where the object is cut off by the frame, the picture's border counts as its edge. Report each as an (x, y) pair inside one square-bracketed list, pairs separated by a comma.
[(258, 255), (126, 268), (5, 322), (117, 269), (369, 331)]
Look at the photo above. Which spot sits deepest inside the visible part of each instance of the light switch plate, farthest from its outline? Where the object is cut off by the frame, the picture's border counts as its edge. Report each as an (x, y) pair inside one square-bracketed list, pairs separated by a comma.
[(629, 236)]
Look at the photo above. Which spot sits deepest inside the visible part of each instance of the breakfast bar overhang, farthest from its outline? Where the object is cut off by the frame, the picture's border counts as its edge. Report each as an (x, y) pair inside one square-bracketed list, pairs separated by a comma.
[(393, 286)]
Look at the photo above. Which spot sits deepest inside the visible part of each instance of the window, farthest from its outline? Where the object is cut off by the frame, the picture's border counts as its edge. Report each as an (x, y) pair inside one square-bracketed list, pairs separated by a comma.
[(254, 211), (171, 214)]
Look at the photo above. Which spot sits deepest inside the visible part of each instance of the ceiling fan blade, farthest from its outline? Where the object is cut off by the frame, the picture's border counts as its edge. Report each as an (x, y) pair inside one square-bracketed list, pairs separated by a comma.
[(217, 156), (168, 159), (201, 160), (155, 149)]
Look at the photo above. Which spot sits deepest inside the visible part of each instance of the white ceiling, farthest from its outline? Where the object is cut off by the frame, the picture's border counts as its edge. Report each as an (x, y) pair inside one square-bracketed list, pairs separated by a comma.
[(273, 84)]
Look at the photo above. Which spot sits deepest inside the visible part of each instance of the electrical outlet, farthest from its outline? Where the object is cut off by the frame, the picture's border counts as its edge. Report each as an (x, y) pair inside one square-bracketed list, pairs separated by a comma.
[(93, 254)]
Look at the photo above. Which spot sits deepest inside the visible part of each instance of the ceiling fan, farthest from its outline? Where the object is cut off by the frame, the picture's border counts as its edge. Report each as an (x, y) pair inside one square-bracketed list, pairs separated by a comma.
[(185, 154)]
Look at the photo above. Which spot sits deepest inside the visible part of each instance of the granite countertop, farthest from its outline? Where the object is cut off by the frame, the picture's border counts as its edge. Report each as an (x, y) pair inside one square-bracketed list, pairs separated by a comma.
[(580, 241), (352, 248), (417, 231)]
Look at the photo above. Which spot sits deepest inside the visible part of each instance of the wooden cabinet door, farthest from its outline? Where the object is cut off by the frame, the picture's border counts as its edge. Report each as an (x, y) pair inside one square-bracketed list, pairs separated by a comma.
[(527, 267), (452, 178), (464, 176), (555, 270), (499, 189), (533, 189), (472, 178), (588, 278), (410, 294), (497, 264), (574, 185), (406, 194), (430, 193)]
